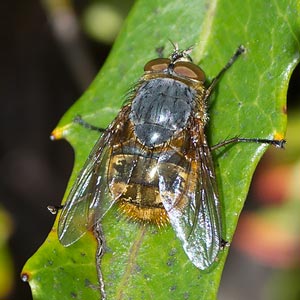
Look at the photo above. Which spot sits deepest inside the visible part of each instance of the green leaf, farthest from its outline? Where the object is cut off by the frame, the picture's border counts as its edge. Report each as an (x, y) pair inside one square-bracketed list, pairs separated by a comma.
[(250, 101)]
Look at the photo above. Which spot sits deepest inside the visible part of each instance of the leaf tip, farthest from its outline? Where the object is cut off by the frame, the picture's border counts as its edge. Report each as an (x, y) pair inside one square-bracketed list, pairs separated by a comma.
[(284, 110), (25, 277), (279, 136), (58, 133)]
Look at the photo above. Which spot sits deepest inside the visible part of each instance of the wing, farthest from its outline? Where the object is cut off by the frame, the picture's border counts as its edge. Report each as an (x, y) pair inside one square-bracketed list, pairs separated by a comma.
[(190, 197), (89, 199)]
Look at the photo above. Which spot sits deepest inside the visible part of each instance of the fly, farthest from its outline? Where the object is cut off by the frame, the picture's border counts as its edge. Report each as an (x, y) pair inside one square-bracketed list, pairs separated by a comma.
[(155, 163)]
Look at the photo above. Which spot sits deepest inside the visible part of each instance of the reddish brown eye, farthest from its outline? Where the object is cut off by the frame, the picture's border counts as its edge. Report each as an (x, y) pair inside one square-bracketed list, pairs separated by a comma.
[(156, 65), (190, 70)]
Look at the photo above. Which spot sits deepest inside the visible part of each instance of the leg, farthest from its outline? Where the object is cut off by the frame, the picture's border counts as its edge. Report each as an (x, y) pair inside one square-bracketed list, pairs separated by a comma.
[(86, 125), (54, 208), (276, 143), (160, 51), (98, 232), (237, 53)]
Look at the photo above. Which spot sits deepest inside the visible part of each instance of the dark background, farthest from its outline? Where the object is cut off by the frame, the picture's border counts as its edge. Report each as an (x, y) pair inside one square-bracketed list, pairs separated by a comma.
[(37, 86)]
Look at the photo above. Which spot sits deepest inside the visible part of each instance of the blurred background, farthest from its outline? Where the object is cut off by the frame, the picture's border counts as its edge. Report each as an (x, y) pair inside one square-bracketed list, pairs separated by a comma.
[(50, 52)]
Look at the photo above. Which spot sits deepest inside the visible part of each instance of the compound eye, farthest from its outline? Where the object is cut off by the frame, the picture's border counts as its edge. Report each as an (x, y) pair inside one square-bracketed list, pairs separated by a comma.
[(189, 70), (157, 64)]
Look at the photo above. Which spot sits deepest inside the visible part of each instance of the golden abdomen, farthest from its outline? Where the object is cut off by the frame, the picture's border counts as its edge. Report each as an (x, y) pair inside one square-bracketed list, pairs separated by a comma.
[(134, 183), (133, 177)]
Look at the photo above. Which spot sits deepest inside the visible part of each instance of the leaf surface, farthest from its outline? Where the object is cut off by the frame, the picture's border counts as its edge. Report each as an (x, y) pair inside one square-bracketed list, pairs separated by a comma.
[(145, 262)]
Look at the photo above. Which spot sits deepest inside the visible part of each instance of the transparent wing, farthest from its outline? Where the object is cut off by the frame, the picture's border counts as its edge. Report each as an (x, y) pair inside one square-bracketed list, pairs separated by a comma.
[(190, 197), (83, 203), (89, 197)]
